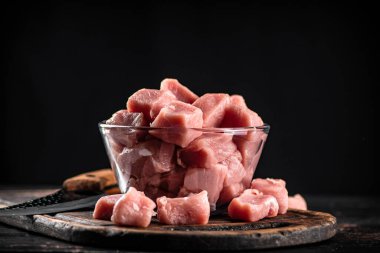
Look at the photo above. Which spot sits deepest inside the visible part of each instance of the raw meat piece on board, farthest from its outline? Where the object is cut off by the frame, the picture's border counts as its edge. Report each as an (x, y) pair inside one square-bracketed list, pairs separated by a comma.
[(194, 209)]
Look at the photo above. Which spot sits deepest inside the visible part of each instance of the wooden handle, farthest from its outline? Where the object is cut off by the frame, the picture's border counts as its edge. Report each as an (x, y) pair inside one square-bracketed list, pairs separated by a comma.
[(94, 181)]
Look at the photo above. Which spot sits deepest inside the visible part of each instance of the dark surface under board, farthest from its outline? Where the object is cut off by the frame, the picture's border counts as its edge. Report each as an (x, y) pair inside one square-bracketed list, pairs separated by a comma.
[(358, 227)]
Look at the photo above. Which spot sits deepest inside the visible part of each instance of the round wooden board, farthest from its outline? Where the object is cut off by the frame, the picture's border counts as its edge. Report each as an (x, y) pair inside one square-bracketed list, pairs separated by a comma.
[(293, 228)]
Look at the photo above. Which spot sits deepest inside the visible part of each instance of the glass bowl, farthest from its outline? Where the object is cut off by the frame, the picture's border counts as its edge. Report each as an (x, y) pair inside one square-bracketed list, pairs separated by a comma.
[(176, 162)]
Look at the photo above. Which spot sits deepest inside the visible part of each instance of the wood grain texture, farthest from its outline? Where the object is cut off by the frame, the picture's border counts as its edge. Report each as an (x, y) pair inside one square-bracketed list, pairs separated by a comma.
[(93, 181), (293, 228), (358, 228)]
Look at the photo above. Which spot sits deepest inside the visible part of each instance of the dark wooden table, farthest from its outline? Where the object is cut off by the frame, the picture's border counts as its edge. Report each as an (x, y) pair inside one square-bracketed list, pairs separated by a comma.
[(358, 227)]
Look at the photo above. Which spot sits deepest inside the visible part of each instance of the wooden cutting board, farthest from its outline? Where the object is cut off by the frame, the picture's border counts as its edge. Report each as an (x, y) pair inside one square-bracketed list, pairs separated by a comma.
[(293, 228)]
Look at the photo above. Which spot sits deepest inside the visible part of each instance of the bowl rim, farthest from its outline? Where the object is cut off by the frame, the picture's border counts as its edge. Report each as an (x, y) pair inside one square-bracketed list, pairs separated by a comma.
[(265, 127)]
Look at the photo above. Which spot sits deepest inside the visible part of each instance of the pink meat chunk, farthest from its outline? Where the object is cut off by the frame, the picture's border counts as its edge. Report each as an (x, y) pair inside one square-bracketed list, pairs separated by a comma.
[(125, 118), (240, 116), (250, 147), (125, 136), (213, 107), (180, 91), (253, 206), (146, 159), (116, 147), (144, 99), (161, 159), (129, 164), (194, 209), (236, 171), (114, 151), (249, 144), (104, 207), (154, 192), (297, 202), (131, 160), (210, 179), (250, 171), (173, 180), (207, 150), (180, 116), (164, 100), (166, 184), (274, 187), (229, 192), (133, 209), (238, 101)]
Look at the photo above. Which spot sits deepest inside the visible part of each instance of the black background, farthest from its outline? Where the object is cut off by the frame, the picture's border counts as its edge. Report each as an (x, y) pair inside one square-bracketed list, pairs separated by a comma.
[(306, 67)]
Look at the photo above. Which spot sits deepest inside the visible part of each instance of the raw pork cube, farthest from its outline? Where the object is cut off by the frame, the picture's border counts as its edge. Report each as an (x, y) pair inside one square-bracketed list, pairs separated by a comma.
[(133, 209), (207, 150), (173, 180), (213, 107), (210, 179), (125, 136), (250, 171), (238, 101), (150, 186), (179, 116), (229, 192), (104, 207), (274, 187), (297, 202), (129, 164), (164, 100), (166, 184), (125, 118), (131, 160), (114, 150), (250, 147), (146, 159), (144, 99), (194, 209), (236, 171), (181, 92), (161, 159), (253, 206), (250, 142), (116, 147), (154, 192), (240, 116)]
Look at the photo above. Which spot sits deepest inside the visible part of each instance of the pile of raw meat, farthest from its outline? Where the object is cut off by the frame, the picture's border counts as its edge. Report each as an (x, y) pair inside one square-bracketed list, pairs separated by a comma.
[(182, 148), (265, 198), (173, 151)]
